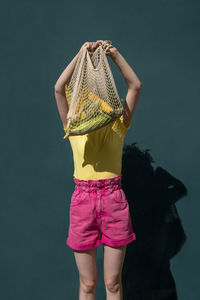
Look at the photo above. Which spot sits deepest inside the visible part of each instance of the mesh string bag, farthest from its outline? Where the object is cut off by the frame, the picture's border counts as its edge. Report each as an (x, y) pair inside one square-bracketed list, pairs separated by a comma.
[(91, 94)]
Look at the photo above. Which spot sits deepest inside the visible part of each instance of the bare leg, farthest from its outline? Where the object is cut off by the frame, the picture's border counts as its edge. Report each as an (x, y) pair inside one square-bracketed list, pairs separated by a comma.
[(87, 267), (113, 264)]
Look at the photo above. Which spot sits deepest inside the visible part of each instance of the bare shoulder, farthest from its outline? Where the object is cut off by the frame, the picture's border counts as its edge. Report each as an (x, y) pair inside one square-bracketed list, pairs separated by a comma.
[(125, 120)]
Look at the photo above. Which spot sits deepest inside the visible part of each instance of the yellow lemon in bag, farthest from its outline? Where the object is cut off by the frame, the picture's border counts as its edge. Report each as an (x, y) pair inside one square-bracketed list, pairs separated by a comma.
[(68, 94), (104, 106)]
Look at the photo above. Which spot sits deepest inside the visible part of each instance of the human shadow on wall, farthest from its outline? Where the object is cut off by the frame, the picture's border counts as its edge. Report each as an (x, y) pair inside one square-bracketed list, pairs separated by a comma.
[(152, 194)]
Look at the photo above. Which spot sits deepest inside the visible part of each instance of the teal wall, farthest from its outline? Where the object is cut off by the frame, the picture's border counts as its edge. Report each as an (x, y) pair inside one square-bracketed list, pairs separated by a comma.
[(160, 40)]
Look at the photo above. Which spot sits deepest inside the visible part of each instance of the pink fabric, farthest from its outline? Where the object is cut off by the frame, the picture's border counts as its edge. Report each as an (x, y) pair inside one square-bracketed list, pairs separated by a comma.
[(99, 213)]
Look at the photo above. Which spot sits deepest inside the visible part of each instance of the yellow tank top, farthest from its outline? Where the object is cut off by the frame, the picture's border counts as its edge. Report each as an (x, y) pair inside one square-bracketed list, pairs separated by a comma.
[(98, 154)]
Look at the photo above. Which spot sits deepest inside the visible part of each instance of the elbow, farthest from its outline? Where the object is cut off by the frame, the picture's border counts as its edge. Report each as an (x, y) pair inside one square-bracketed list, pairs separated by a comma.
[(58, 90), (136, 86)]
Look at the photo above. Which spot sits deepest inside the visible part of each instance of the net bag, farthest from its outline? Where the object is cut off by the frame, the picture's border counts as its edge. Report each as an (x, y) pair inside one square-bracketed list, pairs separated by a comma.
[(91, 94)]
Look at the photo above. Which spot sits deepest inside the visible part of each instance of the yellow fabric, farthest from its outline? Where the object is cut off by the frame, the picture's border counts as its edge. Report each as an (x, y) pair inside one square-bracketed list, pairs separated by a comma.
[(98, 154)]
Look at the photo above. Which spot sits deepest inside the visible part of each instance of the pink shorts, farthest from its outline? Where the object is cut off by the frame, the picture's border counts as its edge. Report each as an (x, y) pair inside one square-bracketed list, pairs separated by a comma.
[(99, 213)]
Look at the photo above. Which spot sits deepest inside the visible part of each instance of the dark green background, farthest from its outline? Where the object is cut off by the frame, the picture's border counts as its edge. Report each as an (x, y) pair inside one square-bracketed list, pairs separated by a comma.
[(160, 40)]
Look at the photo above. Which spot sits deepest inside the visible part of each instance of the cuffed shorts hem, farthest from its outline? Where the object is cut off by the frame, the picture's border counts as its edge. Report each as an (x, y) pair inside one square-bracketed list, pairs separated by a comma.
[(118, 243), (83, 247), (104, 240)]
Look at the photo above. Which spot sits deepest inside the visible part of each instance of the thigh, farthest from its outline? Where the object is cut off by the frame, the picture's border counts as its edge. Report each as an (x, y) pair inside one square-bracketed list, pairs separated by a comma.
[(113, 262), (86, 264)]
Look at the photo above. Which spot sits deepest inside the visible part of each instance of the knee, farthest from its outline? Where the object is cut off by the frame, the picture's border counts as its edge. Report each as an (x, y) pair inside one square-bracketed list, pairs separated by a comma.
[(88, 286), (113, 284)]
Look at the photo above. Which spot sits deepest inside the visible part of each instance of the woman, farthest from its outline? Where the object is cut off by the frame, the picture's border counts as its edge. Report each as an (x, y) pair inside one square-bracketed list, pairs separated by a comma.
[(99, 210)]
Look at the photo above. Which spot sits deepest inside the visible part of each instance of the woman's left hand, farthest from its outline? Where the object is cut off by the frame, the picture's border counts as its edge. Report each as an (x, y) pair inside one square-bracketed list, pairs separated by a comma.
[(108, 48)]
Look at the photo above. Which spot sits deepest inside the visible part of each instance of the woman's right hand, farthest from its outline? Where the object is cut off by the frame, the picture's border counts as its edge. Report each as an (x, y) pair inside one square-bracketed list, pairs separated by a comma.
[(91, 46)]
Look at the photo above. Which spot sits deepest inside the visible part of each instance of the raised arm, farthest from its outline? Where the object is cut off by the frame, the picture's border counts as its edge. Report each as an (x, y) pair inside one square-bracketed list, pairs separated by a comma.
[(134, 87), (59, 89), (133, 82)]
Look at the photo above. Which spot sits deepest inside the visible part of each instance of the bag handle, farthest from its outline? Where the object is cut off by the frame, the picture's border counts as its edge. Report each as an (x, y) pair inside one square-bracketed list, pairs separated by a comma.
[(100, 50), (103, 42)]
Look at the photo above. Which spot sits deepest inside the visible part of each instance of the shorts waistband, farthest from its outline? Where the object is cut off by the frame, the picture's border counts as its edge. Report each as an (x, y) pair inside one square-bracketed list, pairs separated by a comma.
[(100, 183)]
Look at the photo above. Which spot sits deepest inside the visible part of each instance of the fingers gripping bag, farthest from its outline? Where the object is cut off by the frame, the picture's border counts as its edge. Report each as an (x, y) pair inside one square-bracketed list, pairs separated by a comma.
[(91, 94)]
